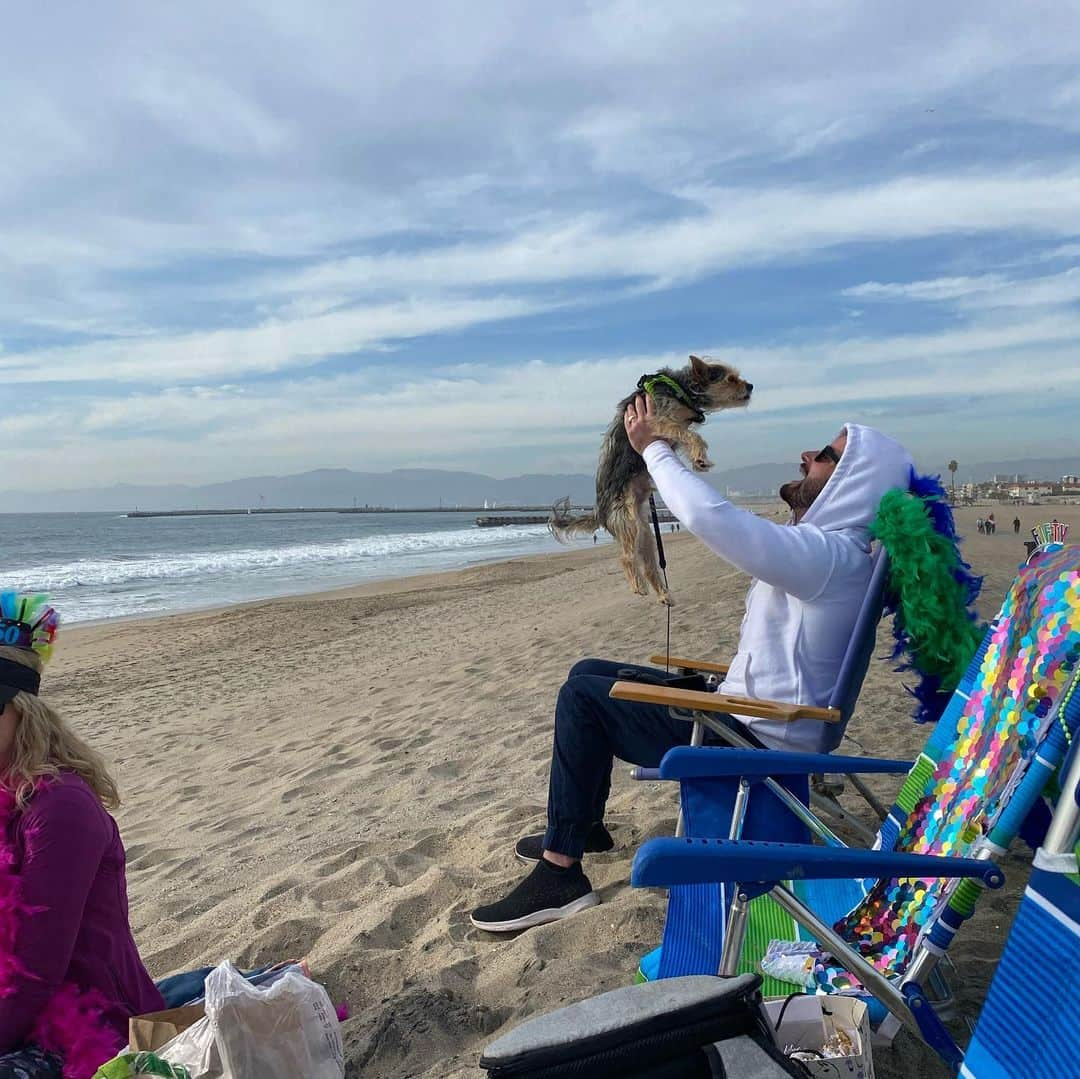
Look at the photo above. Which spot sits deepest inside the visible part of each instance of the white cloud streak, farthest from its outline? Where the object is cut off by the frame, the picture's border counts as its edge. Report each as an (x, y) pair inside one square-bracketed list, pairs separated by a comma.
[(542, 416), (732, 229)]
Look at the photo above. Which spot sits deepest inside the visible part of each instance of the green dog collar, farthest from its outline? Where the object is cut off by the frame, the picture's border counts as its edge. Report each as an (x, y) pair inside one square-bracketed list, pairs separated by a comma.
[(649, 384)]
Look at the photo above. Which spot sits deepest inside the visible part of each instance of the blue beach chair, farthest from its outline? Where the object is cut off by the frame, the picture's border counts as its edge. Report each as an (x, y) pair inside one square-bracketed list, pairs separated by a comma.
[(697, 707), (887, 915)]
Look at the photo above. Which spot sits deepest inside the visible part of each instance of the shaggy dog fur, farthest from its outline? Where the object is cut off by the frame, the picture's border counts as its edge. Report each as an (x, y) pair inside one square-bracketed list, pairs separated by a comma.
[(622, 480)]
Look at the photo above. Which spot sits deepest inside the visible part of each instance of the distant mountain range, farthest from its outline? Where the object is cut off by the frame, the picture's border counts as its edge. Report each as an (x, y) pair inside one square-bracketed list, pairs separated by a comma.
[(424, 487)]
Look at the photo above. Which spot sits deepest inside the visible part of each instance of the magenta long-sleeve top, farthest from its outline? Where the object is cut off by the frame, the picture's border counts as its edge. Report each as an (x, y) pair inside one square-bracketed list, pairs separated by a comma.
[(74, 928)]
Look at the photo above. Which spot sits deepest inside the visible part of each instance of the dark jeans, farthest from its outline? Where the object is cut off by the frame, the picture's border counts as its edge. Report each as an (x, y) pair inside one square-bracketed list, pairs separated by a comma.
[(591, 729), (30, 1063)]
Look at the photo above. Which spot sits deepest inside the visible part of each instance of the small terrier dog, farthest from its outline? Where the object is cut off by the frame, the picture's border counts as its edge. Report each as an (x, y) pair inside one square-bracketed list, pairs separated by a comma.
[(681, 400)]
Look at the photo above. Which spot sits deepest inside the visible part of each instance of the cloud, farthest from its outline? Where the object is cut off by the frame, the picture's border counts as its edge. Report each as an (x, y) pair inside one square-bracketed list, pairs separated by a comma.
[(225, 227), (987, 291), (543, 416), (939, 289), (730, 229), (270, 347)]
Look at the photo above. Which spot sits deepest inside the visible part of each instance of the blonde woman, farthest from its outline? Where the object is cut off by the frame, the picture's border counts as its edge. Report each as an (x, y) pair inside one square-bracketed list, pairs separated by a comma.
[(70, 974)]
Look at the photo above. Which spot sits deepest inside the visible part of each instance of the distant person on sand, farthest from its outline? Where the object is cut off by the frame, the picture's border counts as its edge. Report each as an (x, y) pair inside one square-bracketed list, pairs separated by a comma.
[(991, 524), (594, 538), (980, 524), (1016, 526), (810, 576), (70, 974)]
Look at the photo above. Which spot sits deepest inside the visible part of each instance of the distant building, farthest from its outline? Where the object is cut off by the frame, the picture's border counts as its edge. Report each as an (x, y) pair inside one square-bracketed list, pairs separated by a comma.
[(1031, 490)]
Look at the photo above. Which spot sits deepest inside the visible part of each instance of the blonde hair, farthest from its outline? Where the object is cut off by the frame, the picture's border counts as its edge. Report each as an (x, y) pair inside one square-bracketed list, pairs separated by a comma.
[(45, 745)]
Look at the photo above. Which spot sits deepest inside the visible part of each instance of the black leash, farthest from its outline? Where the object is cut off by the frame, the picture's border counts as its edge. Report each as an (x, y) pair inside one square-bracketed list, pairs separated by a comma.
[(663, 568)]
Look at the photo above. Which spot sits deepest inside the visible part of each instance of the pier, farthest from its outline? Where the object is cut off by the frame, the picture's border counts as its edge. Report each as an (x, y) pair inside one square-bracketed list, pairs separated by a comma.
[(663, 516), (518, 519), (263, 511)]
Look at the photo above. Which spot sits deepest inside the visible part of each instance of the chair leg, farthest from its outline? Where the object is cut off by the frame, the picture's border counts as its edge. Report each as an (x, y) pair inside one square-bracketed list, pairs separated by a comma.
[(738, 812), (697, 738), (828, 805), (869, 797), (734, 934)]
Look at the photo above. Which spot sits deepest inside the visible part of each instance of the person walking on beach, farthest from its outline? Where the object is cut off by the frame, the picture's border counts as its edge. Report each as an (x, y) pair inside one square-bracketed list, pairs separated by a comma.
[(1016, 526), (810, 578), (70, 974), (991, 524), (980, 524)]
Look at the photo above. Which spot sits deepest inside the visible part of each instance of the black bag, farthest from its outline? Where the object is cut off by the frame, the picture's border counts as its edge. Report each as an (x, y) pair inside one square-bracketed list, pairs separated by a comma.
[(675, 681), (677, 1028)]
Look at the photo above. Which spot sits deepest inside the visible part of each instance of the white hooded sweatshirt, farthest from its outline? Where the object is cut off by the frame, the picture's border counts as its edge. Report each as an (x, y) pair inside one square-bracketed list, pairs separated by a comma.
[(809, 578)]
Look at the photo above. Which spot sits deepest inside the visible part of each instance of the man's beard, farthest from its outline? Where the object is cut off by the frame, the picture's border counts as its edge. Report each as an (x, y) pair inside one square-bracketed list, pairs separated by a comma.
[(800, 494)]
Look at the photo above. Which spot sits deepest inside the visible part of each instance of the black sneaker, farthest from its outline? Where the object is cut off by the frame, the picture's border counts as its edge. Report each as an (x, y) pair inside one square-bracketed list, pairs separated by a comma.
[(530, 848), (547, 894)]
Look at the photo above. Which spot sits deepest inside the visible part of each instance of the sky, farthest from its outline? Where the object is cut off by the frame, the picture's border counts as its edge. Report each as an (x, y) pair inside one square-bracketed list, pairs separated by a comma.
[(242, 239)]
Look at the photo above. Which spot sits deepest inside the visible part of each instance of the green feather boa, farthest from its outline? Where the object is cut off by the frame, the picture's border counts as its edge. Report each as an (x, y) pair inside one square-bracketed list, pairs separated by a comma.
[(930, 594)]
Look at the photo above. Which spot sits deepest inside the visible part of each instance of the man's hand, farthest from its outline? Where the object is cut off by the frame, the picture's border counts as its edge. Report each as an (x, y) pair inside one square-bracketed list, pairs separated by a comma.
[(639, 421)]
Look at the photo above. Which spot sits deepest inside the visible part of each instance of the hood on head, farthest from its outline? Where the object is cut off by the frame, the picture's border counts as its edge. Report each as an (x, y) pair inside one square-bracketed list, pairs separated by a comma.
[(871, 464)]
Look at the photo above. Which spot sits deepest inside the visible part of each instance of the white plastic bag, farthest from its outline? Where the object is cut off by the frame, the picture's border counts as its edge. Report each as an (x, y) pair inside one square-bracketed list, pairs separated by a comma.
[(196, 1049), (283, 1031)]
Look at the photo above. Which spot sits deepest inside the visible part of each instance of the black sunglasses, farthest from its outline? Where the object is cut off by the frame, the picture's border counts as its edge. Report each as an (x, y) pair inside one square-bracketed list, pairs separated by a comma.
[(828, 454)]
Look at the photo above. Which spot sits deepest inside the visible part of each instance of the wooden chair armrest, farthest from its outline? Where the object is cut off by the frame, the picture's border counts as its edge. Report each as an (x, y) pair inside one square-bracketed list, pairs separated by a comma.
[(689, 664), (720, 702)]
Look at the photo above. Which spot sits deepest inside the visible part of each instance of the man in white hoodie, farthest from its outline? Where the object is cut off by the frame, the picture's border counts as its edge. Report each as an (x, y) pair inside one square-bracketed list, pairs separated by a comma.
[(810, 577)]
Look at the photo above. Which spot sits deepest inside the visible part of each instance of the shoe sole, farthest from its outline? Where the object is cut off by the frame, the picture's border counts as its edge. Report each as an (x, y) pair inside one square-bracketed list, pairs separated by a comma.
[(539, 917)]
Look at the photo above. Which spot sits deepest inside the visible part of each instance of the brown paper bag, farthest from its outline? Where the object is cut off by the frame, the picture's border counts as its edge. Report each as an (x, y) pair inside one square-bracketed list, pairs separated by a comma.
[(147, 1033)]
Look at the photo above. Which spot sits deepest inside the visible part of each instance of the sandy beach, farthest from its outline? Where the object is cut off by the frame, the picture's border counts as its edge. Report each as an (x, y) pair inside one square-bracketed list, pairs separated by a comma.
[(344, 775)]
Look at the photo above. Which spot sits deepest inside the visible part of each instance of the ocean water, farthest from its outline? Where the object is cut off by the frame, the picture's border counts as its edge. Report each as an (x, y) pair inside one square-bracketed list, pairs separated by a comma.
[(102, 565)]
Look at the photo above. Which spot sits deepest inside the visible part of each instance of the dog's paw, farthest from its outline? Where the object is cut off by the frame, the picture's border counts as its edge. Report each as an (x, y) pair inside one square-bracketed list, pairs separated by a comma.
[(665, 599), (702, 464)]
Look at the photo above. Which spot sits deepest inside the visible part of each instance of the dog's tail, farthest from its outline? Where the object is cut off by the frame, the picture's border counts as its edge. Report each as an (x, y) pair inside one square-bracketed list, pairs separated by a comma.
[(564, 524)]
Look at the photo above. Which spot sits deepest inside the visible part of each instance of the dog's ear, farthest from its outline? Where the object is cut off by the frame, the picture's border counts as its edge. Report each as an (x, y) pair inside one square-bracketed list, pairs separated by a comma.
[(699, 371)]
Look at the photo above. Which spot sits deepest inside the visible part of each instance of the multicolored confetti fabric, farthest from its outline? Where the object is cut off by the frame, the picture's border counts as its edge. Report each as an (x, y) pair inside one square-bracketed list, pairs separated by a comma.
[(999, 721)]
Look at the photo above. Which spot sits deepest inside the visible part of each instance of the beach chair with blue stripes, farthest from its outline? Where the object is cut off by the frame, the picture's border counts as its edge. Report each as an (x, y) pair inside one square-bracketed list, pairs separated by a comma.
[(1027, 1025), (885, 916)]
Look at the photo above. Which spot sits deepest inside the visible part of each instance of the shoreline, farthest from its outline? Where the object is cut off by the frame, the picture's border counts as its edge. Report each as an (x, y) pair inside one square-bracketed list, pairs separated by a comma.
[(377, 582), (371, 585)]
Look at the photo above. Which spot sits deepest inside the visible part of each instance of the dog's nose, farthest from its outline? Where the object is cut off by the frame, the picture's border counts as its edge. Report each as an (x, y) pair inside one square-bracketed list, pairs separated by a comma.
[(749, 387)]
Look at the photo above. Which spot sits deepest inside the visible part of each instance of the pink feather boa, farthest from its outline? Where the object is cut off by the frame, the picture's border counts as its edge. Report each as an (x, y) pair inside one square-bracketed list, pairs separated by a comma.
[(72, 1024)]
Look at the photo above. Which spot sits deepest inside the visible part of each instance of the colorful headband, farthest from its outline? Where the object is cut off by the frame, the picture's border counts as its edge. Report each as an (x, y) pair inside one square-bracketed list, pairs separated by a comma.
[(27, 621)]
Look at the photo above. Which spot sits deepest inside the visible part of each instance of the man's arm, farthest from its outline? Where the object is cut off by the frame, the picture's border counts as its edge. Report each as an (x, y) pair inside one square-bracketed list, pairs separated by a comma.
[(797, 560)]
